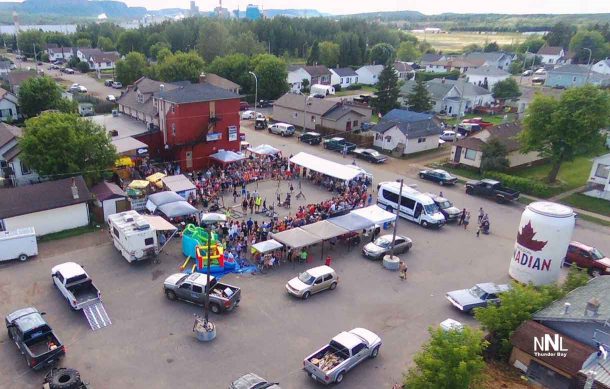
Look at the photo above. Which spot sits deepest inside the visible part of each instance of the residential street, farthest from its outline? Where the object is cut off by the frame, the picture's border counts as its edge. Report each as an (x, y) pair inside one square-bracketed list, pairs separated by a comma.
[(150, 343)]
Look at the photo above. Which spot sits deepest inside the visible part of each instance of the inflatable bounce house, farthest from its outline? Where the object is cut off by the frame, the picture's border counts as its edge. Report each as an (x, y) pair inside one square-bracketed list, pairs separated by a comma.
[(195, 246)]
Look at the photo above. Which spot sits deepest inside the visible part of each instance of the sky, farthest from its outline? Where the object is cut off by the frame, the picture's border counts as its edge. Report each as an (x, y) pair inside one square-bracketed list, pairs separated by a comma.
[(425, 6)]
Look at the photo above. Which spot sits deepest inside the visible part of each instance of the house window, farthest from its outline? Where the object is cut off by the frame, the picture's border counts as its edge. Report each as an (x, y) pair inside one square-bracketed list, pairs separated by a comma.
[(388, 138), (342, 80), (378, 137), (174, 129), (355, 123), (470, 154), (5, 113), (108, 63), (173, 108), (25, 170), (356, 81), (602, 171), (2, 227), (313, 118), (421, 140)]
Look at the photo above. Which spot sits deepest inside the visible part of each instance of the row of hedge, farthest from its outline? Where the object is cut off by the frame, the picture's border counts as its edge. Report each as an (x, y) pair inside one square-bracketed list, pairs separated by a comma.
[(525, 185)]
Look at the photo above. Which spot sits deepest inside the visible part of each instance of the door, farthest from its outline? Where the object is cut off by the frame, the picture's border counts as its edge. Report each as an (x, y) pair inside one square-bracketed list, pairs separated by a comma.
[(318, 284), (197, 294), (458, 154), (418, 211), (359, 352), (189, 159), (184, 291), (348, 126)]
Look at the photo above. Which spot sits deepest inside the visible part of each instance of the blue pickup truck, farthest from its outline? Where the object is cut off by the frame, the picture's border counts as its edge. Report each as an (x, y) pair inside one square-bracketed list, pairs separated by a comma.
[(339, 144)]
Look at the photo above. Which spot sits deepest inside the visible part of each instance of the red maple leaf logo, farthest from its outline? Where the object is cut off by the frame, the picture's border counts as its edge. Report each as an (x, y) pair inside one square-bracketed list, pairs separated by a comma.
[(526, 238)]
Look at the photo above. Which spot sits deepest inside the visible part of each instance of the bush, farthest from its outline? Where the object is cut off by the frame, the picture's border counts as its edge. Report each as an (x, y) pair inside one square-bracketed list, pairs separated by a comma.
[(82, 67), (354, 87), (44, 57), (427, 76), (524, 185)]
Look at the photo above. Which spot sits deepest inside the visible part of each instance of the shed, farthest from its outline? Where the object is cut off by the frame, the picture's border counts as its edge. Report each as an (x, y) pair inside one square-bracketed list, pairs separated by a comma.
[(181, 185), (109, 199), (49, 207)]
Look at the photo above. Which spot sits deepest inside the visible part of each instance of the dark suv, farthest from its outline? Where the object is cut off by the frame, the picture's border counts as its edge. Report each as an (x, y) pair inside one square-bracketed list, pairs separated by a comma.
[(312, 138)]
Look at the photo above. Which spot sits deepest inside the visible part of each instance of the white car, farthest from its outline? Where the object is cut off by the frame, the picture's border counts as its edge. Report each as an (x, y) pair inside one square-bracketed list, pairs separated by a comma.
[(540, 72), (527, 73), (82, 89), (250, 115), (450, 136), (111, 98), (117, 85)]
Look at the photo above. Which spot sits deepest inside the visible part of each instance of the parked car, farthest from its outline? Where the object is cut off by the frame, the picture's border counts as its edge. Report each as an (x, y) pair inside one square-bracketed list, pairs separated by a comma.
[(587, 257), (537, 80), (311, 138), (540, 72), (370, 155), (312, 281), (345, 351), (319, 95), (450, 136), (54, 67), (67, 70), (253, 381), (75, 285), (450, 212), (478, 296), (282, 129), (482, 123), (527, 73), (366, 126), (108, 82), (264, 103), (492, 189), (111, 98), (243, 106), (77, 88), (383, 245), (438, 175), (117, 85), (251, 115), (34, 337), (191, 288), (339, 144)]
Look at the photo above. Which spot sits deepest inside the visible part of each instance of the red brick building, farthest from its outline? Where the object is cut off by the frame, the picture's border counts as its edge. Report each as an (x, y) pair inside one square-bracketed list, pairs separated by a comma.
[(197, 120)]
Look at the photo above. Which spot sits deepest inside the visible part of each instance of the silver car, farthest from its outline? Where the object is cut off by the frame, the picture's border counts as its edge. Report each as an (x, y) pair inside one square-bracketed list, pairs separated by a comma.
[(312, 281), (383, 245)]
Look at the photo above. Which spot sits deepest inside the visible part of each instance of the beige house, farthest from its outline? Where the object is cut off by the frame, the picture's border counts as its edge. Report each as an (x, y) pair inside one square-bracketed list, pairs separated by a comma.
[(469, 151), (308, 112)]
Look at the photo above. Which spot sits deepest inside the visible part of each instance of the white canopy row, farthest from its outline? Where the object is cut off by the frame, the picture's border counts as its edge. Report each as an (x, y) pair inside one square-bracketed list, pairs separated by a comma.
[(325, 166)]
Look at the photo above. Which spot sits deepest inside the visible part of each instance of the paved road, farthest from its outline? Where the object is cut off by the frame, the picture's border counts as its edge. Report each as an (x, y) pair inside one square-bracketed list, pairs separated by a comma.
[(150, 343)]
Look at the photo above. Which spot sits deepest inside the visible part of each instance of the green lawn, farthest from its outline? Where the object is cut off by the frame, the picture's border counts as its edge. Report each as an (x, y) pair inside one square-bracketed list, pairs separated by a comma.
[(588, 203), (459, 171), (68, 233), (572, 174)]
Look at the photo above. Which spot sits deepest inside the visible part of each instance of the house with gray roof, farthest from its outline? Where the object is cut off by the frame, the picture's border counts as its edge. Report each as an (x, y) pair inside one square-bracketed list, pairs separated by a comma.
[(551, 55), (307, 112), (343, 77), (602, 67), (369, 74), (137, 100), (429, 58), (486, 76), (407, 132), (568, 76), (404, 70), (12, 170), (496, 59), (314, 74)]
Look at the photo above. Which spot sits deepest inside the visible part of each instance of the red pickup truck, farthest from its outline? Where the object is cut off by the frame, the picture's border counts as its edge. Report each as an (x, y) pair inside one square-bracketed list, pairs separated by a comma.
[(589, 258)]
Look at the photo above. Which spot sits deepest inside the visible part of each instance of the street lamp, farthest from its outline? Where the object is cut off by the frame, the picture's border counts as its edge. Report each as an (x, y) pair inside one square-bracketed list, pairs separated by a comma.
[(205, 329), (255, 90), (402, 182), (588, 63)]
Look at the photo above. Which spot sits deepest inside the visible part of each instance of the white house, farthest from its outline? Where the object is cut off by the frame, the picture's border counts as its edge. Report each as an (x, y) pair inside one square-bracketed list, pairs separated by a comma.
[(551, 55), (486, 76), (12, 168), (63, 53), (343, 77), (407, 132), (49, 207), (109, 199), (404, 70), (9, 106), (599, 179), (369, 74), (98, 59), (496, 59), (602, 66), (5, 68), (316, 74), (296, 75)]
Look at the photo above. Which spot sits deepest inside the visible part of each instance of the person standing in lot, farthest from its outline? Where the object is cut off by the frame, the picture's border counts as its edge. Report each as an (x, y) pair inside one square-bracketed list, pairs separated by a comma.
[(466, 220), (462, 216), (402, 269), (481, 214)]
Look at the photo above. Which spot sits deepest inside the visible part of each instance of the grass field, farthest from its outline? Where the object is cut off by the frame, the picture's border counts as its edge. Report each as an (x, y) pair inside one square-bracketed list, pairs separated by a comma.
[(572, 174), (456, 41), (587, 203)]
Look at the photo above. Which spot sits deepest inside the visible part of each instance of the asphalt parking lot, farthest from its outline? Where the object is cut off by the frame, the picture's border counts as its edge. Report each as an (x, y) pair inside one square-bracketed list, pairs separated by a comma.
[(150, 343)]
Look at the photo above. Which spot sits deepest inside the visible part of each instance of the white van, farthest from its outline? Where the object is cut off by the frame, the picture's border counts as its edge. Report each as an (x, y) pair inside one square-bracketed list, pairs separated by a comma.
[(135, 239), (415, 206), (18, 244), (319, 89)]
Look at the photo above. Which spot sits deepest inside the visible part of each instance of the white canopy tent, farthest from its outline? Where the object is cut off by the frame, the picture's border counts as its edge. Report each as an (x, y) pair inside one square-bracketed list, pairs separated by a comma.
[(157, 199), (375, 214), (180, 184), (351, 222), (296, 238), (128, 145), (264, 150), (325, 230), (266, 246), (324, 166)]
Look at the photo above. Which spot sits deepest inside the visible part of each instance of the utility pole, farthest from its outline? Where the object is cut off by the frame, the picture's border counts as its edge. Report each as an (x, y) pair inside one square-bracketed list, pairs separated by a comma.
[(402, 182), (523, 64), (35, 59), (459, 114), (589, 64), (255, 92)]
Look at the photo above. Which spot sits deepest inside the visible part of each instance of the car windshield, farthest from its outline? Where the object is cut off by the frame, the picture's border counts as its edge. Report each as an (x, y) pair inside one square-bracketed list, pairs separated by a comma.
[(445, 204), (383, 242), (431, 209), (306, 278), (476, 291), (596, 254)]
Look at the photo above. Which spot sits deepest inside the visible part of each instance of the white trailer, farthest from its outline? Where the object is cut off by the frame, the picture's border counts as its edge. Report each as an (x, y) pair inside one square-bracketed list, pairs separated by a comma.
[(18, 244), (324, 90)]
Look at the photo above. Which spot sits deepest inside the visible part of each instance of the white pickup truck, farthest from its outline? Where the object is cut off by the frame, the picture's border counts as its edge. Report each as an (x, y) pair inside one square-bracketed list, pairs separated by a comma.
[(75, 285), (345, 351)]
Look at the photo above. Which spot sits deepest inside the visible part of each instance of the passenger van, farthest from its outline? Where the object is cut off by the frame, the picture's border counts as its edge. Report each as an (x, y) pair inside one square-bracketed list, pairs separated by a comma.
[(415, 206)]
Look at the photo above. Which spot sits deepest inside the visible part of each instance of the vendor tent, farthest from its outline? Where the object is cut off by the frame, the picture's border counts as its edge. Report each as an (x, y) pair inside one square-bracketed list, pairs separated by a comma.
[(138, 184), (156, 179), (177, 209), (180, 184), (266, 246), (128, 145), (296, 238), (375, 214), (351, 222), (324, 166), (157, 223), (227, 156), (158, 199), (324, 230), (264, 150)]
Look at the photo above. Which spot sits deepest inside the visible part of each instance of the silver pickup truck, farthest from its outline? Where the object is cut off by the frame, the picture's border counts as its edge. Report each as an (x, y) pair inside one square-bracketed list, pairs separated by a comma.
[(346, 350), (191, 288)]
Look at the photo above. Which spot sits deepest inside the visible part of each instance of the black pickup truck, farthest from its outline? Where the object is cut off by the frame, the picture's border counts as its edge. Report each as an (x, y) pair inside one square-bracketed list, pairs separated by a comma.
[(492, 189), (34, 338)]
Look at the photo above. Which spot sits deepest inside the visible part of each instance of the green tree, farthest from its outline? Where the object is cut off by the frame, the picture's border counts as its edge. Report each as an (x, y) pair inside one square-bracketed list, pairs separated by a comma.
[(234, 67), (516, 67), (213, 40), (272, 73), (247, 43), (560, 34), (507, 89), (592, 40), (130, 40), (314, 54), (163, 54), (351, 52), (472, 48), (387, 90), (531, 44), (180, 67), (60, 145), (494, 156), (82, 66), (575, 279), (516, 306), (382, 53), (305, 86), (179, 36), (40, 94), (83, 42), (131, 68), (105, 44), (419, 100), (562, 129), (157, 47), (329, 54), (27, 40), (491, 47), (449, 360), (407, 51)]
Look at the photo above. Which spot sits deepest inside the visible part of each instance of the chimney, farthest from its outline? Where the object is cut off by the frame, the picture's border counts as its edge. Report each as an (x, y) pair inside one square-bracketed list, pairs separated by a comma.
[(592, 306), (202, 78), (74, 189), (566, 308)]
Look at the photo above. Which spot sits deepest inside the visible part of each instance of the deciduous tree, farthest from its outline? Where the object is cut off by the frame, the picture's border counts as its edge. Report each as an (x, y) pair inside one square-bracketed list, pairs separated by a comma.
[(407, 51), (507, 89), (272, 73), (592, 40), (180, 67), (40, 94), (382, 53), (494, 156), (131, 68), (329, 54), (130, 40), (314, 54)]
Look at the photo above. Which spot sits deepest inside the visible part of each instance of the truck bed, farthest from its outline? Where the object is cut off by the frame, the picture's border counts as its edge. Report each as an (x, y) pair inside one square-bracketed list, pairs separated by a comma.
[(84, 291), (327, 359), (42, 345), (218, 291)]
